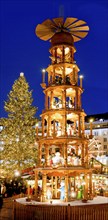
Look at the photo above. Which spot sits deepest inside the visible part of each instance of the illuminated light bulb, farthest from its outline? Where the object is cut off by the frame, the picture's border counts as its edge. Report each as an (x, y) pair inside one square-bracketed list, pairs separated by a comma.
[(17, 173), (43, 70), (91, 120), (21, 74), (81, 76), (66, 50), (73, 194), (43, 75), (37, 124)]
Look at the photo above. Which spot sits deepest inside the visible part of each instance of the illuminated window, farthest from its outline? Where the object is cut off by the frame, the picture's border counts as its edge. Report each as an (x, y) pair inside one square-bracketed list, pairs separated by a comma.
[(105, 139), (105, 147)]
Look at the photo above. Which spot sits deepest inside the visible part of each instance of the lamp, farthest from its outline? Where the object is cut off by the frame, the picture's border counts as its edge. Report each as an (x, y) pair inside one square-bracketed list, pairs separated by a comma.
[(43, 75), (91, 121), (81, 78)]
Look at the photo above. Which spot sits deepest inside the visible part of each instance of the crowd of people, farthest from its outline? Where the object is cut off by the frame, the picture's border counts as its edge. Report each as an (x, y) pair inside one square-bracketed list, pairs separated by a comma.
[(8, 189)]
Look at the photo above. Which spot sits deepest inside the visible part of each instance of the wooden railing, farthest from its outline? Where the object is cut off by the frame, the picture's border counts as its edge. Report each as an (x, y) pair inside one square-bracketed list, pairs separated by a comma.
[(60, 212)]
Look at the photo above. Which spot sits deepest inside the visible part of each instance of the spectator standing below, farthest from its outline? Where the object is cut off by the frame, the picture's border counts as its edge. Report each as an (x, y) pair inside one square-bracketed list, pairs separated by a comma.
[(3, 190), (29, 190)]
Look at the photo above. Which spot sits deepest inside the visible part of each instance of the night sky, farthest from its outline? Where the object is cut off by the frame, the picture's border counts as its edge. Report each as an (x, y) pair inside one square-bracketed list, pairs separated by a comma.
[(22, 51)]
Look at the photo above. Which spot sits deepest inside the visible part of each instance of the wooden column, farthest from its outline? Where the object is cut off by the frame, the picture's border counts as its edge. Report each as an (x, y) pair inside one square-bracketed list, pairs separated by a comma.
[(65, 123), (90, 186), (52, 186), (83, 125), (62, 125), (54, 129), (76, 100), (47, 155), (36, 182), (79, 100), (93, 187), (40, 154), (49, 125), (64, 78), (85, 187), (65, 154), (63, 106), (74, 183), (51, 99), (79, 125), (76, 149), (46, 101), (66, 188), (42, 126), (64, 98), (43, 187), (55, 186), (86, 153), (29, 195), (61, 149), (73, 78), (82, 154), (53, 74)]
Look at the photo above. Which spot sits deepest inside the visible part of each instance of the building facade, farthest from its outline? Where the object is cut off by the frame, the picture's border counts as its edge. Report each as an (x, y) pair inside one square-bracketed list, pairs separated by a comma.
[(98, 145)]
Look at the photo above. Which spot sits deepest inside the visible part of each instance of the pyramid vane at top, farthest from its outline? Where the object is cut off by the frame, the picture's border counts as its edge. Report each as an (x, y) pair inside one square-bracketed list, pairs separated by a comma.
[(78, 29)]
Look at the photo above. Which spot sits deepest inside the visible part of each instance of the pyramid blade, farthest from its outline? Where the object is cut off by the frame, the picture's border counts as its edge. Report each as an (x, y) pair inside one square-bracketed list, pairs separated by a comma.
[(69, 21), (49, 23), (76, 38), (43, 28), (83, 28), (46, 37), (78, 23), (44, 32), (79, 34), (58, 21)]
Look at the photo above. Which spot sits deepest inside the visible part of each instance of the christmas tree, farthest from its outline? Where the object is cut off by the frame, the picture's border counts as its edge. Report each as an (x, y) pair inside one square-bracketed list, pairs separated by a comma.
[(18, 133)]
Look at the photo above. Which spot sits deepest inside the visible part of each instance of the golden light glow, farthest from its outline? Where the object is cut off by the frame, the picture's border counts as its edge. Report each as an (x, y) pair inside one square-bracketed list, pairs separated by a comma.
[(91, 120), (37, 124), (66, 50), (17, 173), (43, 70), (21, 74), (81, 76)]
